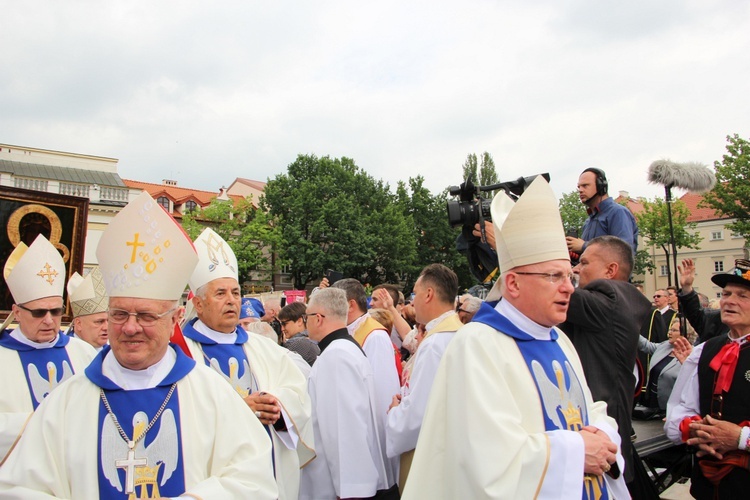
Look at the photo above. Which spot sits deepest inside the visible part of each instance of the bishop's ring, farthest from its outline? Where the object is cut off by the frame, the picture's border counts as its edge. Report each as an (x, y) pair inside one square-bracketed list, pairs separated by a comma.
[(257, 414)]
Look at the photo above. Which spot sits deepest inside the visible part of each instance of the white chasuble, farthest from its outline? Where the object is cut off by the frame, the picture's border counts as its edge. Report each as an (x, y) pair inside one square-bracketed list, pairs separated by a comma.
[(485, 432), (206, 442), (29, 374), (254, 363)]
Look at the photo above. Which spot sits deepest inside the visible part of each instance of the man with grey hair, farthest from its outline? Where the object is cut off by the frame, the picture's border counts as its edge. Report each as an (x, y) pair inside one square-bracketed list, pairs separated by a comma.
[(467, 307), (349, 437)]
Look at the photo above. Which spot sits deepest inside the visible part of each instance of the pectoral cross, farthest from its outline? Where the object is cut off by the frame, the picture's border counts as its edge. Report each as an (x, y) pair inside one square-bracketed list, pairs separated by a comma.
[(129, 464)]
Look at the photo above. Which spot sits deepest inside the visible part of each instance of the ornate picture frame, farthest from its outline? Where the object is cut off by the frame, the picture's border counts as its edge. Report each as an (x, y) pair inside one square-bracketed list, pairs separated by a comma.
[(62, 219)]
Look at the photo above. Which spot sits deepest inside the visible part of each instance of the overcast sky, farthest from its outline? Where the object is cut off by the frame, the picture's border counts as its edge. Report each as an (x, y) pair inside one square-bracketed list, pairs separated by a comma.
[(204, 92)]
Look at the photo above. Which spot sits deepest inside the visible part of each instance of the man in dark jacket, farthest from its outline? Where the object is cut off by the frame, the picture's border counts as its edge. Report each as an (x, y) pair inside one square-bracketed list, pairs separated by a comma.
[(604, 321)]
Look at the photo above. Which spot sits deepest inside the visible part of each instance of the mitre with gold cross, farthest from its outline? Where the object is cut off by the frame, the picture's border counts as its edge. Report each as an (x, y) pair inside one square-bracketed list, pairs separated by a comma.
[(35, 272), (145, 253)]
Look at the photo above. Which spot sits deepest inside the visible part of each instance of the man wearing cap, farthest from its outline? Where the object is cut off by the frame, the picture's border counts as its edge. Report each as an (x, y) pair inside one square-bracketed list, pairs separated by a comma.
[(248, 314), (434, 294), (710, 403), (259, 370), (88, 299), (510, 414), (34, 357), (143, 420), (351, 460)]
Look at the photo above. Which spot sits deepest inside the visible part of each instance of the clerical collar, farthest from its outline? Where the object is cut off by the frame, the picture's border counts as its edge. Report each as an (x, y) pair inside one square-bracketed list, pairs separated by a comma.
[(218, 337), (664, 309), (340, 334), (18, 335), (435, 322), (131, 380), (523, 323)]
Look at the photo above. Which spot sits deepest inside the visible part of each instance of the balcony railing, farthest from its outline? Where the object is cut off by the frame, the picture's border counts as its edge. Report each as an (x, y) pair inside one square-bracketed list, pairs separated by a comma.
[(34, 184), (113, 194), (81, 190)]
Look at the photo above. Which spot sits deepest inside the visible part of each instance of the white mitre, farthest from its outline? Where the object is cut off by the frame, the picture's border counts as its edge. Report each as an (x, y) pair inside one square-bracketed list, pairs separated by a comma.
[(87, 295), (145, 253), (528, 231), (215, 260), (35, 272)]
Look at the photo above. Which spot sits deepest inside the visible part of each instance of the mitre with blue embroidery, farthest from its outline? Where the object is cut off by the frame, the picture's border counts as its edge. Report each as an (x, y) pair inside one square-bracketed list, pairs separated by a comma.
[(35, 272), (87, 295), (215, 260), (145, 253)]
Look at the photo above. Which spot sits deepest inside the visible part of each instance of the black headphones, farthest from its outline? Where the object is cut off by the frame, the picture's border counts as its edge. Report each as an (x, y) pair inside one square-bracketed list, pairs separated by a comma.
[(602, 186)]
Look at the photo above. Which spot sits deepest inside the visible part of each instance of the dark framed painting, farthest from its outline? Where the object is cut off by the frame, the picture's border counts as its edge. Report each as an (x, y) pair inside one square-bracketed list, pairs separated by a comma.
[(24, 214)]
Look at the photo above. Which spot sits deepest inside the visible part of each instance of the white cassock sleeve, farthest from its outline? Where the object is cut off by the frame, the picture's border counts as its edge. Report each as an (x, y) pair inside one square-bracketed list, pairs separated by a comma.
[(226, 452), (379, 351), (405, 420), (684, 401)]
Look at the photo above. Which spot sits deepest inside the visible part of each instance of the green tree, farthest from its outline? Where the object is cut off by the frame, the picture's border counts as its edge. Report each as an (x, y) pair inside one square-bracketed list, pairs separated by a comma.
[(731, 195), (332, 215), (246, 229), (653, 225), (573, 213), (470, 169), (436, 240)]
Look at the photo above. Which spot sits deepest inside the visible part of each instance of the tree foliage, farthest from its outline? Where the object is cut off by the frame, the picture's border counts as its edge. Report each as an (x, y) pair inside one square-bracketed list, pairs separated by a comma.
[(332, 215), (245, 228), (436, 240), (653, 226), (573, 213), (481, 173), (731, 195)]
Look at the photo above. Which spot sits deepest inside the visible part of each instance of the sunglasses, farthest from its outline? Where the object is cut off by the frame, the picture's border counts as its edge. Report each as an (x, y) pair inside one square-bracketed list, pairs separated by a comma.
[(40, 313)]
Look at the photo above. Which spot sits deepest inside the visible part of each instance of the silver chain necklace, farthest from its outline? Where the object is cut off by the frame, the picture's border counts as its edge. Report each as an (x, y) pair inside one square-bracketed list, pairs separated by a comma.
[(130, 463)]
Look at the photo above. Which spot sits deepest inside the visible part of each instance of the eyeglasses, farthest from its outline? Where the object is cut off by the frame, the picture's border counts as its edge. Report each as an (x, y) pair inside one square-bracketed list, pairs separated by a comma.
[(120, 317), (555, 278), (657, 296), (40, 313), (307, 315), (459, 310)]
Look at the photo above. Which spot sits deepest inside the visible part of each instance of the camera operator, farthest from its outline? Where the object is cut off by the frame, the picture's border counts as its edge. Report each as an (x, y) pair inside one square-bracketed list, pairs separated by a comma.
[(605, 216)]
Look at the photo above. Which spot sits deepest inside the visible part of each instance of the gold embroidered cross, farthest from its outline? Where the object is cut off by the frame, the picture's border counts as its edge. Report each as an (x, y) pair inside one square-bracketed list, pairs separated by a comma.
[(48, 273), (135, 244)]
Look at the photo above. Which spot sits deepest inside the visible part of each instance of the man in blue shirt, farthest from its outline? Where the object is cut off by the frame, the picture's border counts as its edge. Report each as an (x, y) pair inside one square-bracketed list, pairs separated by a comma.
[(605, 216)]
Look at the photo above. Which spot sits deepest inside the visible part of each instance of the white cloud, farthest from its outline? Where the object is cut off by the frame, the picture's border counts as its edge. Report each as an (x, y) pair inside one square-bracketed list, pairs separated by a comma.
[(206, 92)]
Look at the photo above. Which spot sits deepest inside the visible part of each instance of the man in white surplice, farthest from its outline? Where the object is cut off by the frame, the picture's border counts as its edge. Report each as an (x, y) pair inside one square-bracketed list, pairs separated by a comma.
[(351, 461), (434, 294), (510, 414), (144, 420), (259, 370)]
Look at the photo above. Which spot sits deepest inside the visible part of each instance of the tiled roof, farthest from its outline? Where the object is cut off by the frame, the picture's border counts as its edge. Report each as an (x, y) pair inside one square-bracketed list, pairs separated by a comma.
[(697, 214), (177, 194), (634, 206), (64, 174)]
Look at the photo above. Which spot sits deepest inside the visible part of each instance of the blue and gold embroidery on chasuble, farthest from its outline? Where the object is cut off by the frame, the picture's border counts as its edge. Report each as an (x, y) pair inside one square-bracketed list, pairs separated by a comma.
[(44, 369), (158, 466), (560, 392), (229, 360)]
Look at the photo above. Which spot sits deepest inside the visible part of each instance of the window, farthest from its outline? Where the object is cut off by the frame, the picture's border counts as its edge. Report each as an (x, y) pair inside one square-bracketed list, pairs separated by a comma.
[(719, 266), (717, 235), (164, 202), (664, 270), (191, 206)]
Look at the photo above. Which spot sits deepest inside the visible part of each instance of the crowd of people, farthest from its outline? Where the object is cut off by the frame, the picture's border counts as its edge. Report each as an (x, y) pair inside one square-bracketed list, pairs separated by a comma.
[(529, 393)]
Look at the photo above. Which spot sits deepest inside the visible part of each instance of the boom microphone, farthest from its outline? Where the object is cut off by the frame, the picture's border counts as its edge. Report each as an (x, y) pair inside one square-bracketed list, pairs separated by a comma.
[(694, 177)]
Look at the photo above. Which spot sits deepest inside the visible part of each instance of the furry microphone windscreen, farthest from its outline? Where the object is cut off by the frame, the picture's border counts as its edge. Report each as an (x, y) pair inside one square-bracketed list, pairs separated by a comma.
[(694, 177)]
